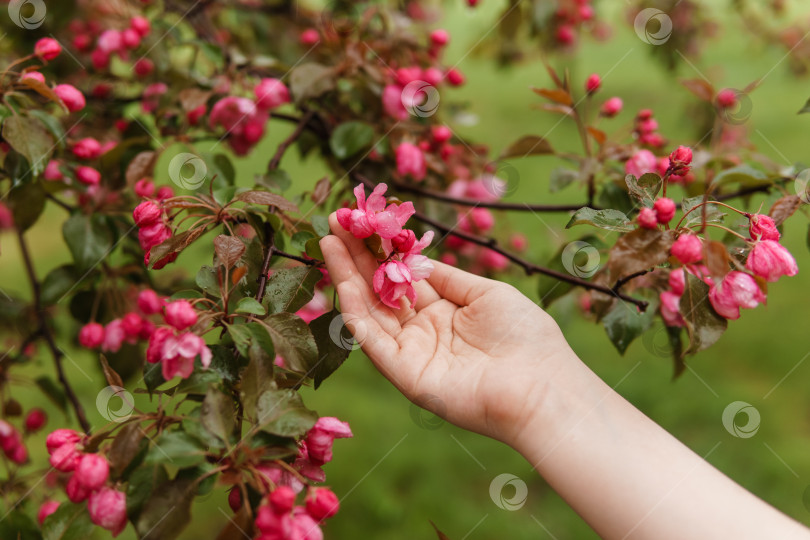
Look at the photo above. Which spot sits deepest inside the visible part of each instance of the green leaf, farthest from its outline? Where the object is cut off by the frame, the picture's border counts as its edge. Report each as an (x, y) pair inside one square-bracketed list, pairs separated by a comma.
[(257, 376), (561, 178), (277, 180), (744, 175), (624, 323), (611, 220), (638, 250), (805, 109), (299, 240), (250, 305), (550, 289), (217, 414), (311, 80), (152, 376), (26, 201), (332, 349), (703, 324), (167, 512), (142, 484), (282, 413), (223, 363), (69, 522), (89, 239), (199, 381), (53, 391), (19, 525), (53, 125), (313, 249), (321, 225), (58, 282), (125, 446), (713, 213), (528, 145), (293, 341), (644, 189), (206, 280), (349, 138), (290, 289), (176, 448), (31, 138)]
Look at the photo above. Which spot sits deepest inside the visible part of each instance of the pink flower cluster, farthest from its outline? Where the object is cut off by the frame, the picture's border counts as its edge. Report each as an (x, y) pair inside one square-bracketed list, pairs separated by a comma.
[(768, 260), (244, 119), (646, 130), (404, 264), (174, 346), (153, 229), (89, 476), (131, 327), (91, 37), (278, 518), (677, 165), (12, 443), (569, 19)]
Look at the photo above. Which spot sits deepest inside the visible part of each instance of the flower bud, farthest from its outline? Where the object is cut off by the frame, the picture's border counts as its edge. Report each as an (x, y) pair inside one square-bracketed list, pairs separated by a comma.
[(593, 83), (87, 148), (282, 499), (411, 161), (91, 335), (75, 491), (47, 508), (235, 499), (47, 48), (322, 503), (64, 458), (454, 77), (687, 249), (271, 93), (147, 213), (88, 176), (108, 509), (35, 420), (664, 209), (309, 37), (680, 160), (647, 218), (92, 471), (149, 302), (70, 96), (439, 37), (612, 107), (140, 25), (763, 227), (726, 98), (180, 314), (61, 437)]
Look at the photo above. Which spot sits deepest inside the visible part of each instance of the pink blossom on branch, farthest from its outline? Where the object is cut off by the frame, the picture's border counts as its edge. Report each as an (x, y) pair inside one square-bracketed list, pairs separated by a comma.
[(770, 260)]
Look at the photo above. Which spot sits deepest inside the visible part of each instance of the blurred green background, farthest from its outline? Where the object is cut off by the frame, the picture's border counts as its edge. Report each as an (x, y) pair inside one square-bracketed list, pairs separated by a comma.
[(402, 468)]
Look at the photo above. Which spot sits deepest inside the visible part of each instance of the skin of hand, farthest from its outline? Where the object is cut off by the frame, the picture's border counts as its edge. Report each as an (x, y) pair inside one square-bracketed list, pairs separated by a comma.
[(478, 345)]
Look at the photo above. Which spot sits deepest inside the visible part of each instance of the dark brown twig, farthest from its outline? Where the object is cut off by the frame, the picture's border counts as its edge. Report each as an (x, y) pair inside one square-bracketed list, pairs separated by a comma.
[(45, 332), (270, 245), (302, 124)]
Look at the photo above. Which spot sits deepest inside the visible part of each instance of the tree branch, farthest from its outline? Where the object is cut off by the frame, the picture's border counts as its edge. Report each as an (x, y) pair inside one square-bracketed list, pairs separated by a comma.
[(302, 124), (270, 245), (45, 332)]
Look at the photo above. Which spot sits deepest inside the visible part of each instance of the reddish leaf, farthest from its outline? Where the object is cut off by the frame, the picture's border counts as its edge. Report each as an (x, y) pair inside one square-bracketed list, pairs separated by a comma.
[(556, 95), (42, 89), (140, 166), (702, 89), (784, 208), (597, 134), (229, 249), (322, 190), (268, 199), (238, 273), (703, 324), (113, 378), (529, 145), (191, 98), (175, 244), (638, 250), (125, 446), (718, 261)]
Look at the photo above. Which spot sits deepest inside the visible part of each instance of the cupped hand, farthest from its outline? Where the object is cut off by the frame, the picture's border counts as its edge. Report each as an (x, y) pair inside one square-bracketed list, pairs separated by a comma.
[(473, 350)]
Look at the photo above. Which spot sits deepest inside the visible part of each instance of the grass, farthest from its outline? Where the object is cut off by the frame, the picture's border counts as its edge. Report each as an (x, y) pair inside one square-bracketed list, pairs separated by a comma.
[(396, 474)]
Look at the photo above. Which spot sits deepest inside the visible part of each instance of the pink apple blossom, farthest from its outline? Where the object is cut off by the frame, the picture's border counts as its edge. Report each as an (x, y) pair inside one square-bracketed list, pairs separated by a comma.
[(640, 163), (108, 509), (411, 161), (737, 290), (770, 260), (91, 335), (762, 227), (322, 503), (647, 218), (687, 249), (180, 314), (271, 93)]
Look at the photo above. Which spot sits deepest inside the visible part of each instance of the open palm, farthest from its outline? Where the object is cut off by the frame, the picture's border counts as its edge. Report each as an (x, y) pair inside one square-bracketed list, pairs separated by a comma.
[(473, 350)]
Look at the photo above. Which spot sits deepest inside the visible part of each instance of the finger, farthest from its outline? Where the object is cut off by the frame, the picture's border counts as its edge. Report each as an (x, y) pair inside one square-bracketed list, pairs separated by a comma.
[(367, 264), (456, 285), (378, 344), (342, 268)]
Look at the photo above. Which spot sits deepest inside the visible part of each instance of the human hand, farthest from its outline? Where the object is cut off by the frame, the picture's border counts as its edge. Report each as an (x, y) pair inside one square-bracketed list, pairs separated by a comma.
[(478, 345)]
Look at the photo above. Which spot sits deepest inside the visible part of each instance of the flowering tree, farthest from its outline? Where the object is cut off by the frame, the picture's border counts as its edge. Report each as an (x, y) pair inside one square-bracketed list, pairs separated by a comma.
[(220, 351)]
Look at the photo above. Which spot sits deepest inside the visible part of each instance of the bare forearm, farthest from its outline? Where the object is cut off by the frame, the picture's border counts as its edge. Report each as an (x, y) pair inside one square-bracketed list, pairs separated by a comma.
[(629, 478)]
